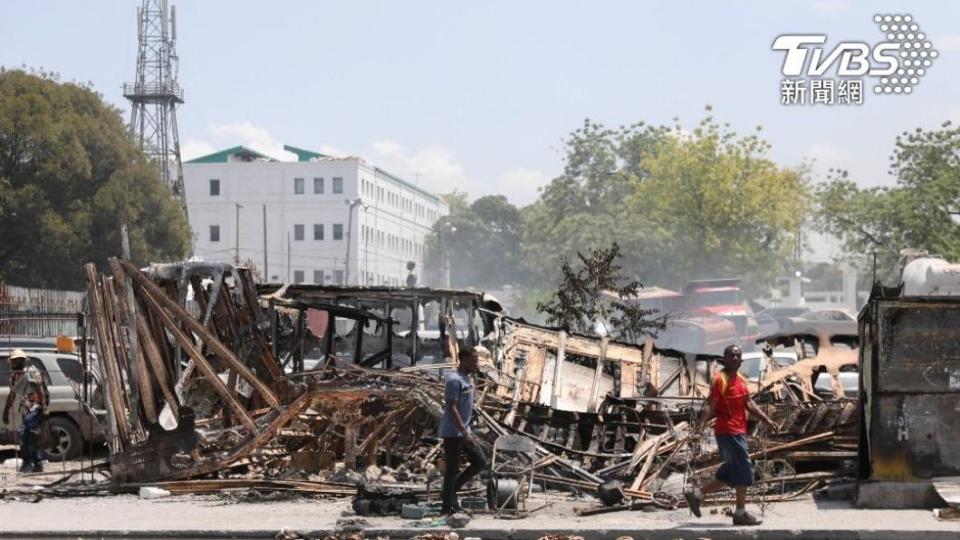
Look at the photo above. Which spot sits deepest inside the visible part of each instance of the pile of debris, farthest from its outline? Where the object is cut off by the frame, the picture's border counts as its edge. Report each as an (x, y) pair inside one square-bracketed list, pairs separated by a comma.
[(214, 384)]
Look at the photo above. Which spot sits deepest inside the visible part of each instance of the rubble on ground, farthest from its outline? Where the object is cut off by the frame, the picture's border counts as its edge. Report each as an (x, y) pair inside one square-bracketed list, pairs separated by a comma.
[(212, 383)]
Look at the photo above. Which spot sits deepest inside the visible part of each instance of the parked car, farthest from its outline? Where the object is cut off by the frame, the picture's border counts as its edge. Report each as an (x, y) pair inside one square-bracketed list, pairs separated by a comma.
[(779, 316), (74, 424), (757, 364), (849, 380), (697, 334), (42, 344), (835, 321), (839, 314), (766, 325)]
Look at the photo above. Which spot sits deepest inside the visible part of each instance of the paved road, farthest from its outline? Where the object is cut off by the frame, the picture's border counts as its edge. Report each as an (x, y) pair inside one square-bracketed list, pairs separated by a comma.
[(211, 516)]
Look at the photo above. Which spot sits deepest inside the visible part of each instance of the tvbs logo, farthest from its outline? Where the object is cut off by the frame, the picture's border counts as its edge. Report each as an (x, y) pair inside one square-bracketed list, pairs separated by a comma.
[(896, 64), (852, 58)]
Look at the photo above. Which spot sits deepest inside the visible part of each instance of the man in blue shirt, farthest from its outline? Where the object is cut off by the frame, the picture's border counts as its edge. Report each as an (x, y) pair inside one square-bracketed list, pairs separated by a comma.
[(455, 431)]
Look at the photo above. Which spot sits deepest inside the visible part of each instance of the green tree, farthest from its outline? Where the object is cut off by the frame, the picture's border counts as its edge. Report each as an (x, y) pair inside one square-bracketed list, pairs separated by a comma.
[(715, 206), (919, 212), (585, 207), (682, 205), (69, 177), (590, 299), (481, 240)]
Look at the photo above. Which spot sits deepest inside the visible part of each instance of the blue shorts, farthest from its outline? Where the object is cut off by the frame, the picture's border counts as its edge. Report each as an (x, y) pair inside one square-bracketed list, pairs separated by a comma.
[(736, 469)]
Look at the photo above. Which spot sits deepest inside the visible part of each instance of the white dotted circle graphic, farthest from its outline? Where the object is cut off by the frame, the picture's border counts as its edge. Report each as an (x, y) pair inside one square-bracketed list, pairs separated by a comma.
[(915, 51)]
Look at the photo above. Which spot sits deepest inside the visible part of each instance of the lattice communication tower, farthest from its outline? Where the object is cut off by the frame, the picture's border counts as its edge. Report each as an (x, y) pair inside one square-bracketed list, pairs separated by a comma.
[(155, 94)]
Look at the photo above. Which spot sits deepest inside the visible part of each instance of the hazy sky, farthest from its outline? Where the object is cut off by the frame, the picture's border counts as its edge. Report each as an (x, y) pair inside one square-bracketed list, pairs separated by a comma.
[(478, 95)]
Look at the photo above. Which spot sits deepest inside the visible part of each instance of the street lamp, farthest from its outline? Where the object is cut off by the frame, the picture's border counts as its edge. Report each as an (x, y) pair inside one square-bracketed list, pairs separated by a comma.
[(444, 255), (352, 203), (236, 253)]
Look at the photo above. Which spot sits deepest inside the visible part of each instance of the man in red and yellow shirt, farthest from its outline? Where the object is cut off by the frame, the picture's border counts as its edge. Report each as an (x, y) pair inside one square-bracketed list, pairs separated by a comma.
[(729, 401)]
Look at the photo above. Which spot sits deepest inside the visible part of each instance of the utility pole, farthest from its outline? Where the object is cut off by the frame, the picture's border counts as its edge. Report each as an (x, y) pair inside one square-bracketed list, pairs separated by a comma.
[(155, 93), (266, 273), (366, 246), (236, 251), (352, 203)]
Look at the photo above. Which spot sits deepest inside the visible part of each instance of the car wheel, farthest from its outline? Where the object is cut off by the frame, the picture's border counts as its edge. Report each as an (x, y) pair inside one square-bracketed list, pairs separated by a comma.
[(67, 440)]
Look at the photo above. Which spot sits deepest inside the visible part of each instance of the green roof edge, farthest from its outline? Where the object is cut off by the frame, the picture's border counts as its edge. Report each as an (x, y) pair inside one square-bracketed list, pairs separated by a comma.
[(303, 154), (222, 155)]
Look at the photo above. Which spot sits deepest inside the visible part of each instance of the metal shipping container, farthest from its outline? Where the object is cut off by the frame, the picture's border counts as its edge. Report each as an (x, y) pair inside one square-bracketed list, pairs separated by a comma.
[(910, 387)]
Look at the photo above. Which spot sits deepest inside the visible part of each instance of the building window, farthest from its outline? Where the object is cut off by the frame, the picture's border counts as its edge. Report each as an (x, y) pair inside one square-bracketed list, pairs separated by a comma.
[(318, 277), (337, 184), (339, 277), (318, 185), (214, 187), (338, 231), (298, 186), (318, 231), (214, 233), (298, 276), (298, 232)]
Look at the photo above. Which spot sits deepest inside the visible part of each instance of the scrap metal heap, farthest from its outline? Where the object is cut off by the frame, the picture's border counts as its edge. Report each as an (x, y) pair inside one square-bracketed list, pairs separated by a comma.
[(211, 383)]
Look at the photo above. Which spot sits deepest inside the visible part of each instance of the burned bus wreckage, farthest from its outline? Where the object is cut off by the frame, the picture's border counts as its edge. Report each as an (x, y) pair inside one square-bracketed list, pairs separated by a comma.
[(213, 382)]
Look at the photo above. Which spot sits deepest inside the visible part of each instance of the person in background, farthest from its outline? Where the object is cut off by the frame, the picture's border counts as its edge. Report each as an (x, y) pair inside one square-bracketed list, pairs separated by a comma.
[(28, 432), (24, 381), (455, 430)]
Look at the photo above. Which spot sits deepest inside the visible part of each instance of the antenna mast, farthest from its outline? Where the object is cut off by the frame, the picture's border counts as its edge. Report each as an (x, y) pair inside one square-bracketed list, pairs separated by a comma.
[(155, 94)]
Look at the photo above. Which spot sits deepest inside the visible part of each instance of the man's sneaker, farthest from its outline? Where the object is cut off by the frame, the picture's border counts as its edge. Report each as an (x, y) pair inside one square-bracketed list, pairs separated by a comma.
[(694, 497), (38, 467), (746, 518)]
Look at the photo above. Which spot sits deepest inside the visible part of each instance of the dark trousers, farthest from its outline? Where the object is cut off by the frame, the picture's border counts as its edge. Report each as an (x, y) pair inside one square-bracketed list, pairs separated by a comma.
[(453, 479), (29, 452)]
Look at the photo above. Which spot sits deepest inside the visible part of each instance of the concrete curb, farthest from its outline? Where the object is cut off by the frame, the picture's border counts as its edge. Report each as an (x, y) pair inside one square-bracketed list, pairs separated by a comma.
[(728, 533)]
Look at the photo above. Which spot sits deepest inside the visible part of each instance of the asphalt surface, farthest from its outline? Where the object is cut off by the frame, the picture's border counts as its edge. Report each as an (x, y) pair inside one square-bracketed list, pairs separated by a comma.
[(26, 514)]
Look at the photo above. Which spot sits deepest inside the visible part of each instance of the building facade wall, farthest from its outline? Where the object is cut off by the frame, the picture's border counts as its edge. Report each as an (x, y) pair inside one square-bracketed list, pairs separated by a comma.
[(388, 229)]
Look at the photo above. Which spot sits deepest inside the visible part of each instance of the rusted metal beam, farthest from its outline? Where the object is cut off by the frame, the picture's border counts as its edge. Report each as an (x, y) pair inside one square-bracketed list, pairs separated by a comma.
[(268, 432), (160, 374), (209, 340), (128, 311), (104, 343), (187, 345)]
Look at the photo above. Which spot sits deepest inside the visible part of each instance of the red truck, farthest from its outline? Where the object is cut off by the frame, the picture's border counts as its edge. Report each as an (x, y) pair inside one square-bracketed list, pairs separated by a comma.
[(723, 298)]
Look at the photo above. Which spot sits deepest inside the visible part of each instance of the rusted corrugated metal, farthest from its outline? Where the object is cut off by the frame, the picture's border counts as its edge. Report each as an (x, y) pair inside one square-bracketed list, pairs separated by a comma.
[(38, 312), (911, 387)]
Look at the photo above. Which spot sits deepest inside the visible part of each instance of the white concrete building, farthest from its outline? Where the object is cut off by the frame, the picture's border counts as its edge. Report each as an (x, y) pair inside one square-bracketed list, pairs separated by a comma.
[(320, 220)]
